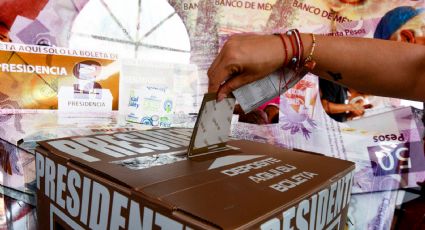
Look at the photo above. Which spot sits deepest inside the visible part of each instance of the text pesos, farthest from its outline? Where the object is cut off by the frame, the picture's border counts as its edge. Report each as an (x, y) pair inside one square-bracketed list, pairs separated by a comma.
[(81, 201)]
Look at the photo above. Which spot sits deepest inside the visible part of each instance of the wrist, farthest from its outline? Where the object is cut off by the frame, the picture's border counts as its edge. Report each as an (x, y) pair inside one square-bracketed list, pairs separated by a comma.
[(285, 52), (299, 50), (354, 107), (308, 44)]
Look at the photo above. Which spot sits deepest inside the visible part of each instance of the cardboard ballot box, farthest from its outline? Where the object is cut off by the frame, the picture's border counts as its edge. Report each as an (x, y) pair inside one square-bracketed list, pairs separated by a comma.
[(143, 180)]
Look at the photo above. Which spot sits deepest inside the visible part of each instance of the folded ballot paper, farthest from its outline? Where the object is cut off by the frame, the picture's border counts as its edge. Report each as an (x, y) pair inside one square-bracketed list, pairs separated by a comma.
[(177, 178), (255, 94), (212, 128)]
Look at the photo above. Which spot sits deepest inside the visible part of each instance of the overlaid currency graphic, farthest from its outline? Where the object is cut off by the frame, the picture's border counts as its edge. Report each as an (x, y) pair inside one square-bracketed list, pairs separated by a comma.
[(17, 214), (35, 127), (17, 169), (205, 18), (386, 147), (17, 146), (371, 210), (385, 142), (301, 13)]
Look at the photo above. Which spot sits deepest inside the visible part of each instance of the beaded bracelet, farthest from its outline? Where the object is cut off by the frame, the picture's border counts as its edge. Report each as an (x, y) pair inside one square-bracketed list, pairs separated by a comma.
[(309, 63), (298, 69), (285, 48), (300, 46), (295, 38)]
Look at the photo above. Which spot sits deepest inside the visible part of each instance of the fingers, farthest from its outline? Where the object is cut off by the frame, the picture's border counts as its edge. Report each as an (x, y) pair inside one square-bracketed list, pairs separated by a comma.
[(222, 70), (214, 81), (232, 84), (217, 77), (223, 67), (217, 72), (214, 64)]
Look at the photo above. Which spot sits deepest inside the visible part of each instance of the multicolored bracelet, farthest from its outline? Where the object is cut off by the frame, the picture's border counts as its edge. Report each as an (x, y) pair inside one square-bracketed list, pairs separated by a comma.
[(297, 63)]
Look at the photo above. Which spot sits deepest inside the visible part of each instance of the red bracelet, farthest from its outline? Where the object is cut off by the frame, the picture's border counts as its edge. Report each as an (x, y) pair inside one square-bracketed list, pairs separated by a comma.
[(284, 61), (285, 48), (298, 54), (294, 60), (298, 66), (301, 45)]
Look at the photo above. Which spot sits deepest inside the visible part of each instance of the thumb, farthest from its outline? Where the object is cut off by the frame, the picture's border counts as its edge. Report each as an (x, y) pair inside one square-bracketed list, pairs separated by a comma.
[(233, 84)]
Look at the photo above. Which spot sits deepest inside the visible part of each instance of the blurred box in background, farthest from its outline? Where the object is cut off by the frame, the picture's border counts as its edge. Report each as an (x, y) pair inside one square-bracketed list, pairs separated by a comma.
[(155, 93), (40, 78)]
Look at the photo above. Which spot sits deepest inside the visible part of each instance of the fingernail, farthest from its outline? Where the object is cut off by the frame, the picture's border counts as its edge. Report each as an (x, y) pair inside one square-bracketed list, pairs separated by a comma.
[(220, 97)]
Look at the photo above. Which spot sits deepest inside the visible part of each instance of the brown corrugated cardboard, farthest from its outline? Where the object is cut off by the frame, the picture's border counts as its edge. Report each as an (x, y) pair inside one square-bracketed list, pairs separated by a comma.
[(143, 180)]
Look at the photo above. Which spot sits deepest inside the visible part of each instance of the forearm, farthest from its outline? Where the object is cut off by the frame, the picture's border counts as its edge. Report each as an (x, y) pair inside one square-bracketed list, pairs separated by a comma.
[(378, 67)]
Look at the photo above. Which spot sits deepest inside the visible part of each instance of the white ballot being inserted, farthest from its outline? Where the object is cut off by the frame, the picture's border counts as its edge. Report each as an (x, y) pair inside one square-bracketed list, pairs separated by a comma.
[(212, 128), (253, 95)]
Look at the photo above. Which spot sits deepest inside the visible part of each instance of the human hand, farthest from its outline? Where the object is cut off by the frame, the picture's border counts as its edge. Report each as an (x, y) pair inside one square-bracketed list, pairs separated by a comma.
[(242, 60), (357, 109)]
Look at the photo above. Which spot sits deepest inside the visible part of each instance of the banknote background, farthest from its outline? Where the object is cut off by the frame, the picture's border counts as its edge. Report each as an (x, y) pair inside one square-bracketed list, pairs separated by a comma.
[(303, 124), (17, 146), (16, 214)]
